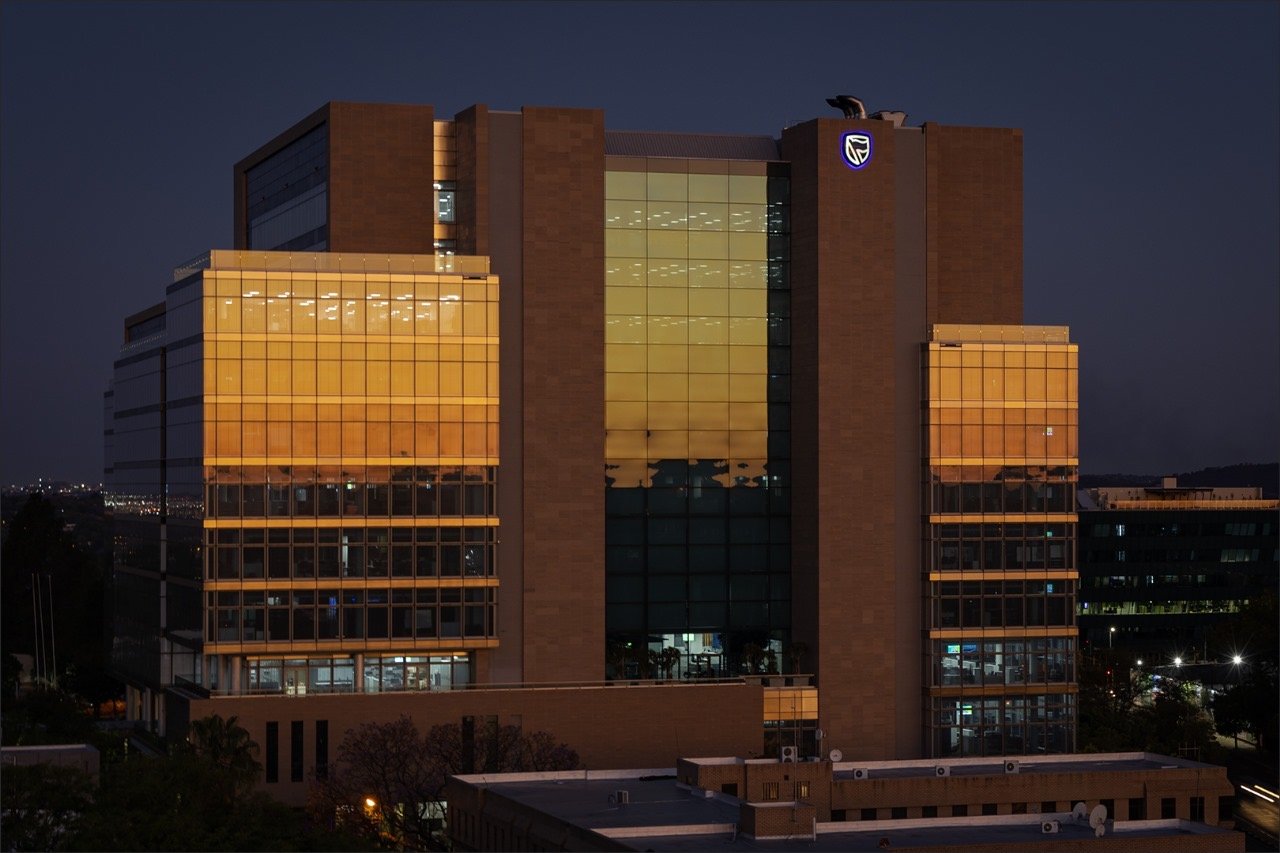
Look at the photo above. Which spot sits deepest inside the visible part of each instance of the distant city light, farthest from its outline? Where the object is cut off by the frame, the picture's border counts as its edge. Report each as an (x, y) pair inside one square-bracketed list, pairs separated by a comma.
[(1177, 661), (1236, 659)]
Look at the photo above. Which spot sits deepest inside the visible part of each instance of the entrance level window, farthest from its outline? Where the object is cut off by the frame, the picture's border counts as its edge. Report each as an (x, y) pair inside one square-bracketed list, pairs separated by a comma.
[(390, 673), (393, 673), (802, 734), (1003, 725), (300, 676), (697, 655)]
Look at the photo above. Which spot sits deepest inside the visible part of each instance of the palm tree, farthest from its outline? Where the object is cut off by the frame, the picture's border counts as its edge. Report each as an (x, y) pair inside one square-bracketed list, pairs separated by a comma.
[(226, 744)]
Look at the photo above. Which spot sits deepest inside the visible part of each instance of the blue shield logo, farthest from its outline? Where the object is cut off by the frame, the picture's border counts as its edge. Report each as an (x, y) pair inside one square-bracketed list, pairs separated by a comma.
[(855, 149)]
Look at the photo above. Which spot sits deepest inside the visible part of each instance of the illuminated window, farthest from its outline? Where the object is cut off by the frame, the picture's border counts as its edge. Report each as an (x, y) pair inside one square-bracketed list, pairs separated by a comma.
[(446, 194)]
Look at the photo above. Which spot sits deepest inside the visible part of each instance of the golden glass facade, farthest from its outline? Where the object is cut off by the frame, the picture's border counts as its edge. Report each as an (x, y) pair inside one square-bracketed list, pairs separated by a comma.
[(1001, 463), (350, 454), (686, 336), (697, 442)]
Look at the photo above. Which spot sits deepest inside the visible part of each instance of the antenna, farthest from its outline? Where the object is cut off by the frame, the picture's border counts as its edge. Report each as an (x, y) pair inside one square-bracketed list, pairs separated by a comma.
[(1098, 819)]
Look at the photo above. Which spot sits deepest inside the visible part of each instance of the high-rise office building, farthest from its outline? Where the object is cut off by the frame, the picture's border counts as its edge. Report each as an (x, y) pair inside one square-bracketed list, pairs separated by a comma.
[(510, 399)]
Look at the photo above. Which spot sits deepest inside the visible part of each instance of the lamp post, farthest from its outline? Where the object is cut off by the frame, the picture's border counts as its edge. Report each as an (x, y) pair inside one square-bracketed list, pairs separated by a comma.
[(1236, 660), (1111, 638)]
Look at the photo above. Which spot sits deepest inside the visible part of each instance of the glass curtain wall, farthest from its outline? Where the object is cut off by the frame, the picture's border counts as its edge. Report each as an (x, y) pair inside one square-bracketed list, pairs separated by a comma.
[(697, 382), (350, 460), (1001, 469)]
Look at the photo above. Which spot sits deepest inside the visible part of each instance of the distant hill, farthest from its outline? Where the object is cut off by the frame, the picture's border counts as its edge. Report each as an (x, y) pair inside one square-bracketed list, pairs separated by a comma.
[(1266, 475)]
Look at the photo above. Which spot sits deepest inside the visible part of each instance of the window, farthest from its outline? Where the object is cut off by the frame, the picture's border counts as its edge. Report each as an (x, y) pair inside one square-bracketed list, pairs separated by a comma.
[(1048, 806), (295, 751), (273, 752), (1137, 808), (1197, 809), (928, 811), (322, 749), (959, 811), (988, 808), (802, 790), (1168, 808), (771, 790), (446, 195), (1019, 808), (868, 814), (730, 788), (899, 813)]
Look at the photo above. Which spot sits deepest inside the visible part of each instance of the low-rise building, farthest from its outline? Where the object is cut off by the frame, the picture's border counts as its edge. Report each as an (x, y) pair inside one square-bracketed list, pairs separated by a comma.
[(1129, 801)]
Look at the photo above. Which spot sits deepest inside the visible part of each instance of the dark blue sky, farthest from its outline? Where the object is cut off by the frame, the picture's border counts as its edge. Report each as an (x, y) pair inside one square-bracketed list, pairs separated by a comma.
[(1151, 179)]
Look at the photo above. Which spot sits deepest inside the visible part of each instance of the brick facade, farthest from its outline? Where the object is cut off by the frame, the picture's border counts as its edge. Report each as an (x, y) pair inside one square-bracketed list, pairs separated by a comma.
[(563, 417), (609, 727)]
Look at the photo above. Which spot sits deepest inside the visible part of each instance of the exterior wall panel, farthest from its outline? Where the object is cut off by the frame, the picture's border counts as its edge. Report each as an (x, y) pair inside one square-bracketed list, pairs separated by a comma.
[(974, 211), (843, 286), (563, 293), (380, 178)]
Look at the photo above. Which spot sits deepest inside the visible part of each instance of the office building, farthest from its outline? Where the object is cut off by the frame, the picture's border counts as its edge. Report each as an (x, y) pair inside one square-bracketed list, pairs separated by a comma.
[(509, 399), (1162, 567)]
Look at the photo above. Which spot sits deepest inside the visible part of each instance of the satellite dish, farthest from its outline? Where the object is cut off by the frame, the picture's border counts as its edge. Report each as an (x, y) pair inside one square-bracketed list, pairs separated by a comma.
[(1098, 817), (1100, 830), (836, 756), (1080, 812)]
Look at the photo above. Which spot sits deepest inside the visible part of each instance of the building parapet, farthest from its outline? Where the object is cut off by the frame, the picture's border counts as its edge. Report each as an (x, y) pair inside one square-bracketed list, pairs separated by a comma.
[(347, 262), (999, 334)]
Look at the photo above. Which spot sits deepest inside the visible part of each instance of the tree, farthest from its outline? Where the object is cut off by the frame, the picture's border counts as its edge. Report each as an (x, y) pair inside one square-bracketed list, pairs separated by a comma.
[(668, 659), (389, 780), (1251, 704), (180, 802), (42, 803), (796, 653), (54, 590), (227, 745), (1117, 716)]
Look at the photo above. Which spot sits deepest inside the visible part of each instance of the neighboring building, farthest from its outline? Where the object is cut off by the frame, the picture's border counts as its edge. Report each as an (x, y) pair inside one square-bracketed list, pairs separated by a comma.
[(81, 756), (685, 442), (1141, 801), (1161, 567)]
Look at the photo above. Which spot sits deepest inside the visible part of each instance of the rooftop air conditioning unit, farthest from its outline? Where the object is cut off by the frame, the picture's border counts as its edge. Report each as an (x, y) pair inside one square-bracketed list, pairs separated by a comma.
[(942, 770), (861, 773), (1049, 827), (790, 754), (1012, 767), (622, 798)]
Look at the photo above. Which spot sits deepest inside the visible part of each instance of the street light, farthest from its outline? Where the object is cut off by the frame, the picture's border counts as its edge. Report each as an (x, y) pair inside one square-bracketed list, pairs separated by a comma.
[(1111, 637), (1177, 661), (1237, 660)]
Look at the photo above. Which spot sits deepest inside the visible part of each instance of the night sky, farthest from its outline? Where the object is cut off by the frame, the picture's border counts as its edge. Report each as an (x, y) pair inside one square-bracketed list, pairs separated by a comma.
[(1151, 145)]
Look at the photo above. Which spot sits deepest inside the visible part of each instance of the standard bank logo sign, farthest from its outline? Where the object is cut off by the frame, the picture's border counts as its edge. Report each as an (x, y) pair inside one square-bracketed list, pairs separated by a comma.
[(855, 148)]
